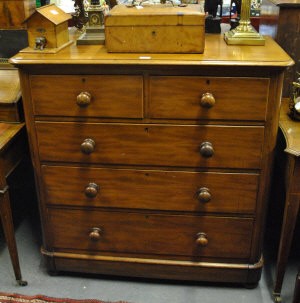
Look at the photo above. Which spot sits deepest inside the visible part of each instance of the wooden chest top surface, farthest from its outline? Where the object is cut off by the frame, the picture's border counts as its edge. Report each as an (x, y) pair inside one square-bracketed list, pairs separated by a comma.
[(216, 52)]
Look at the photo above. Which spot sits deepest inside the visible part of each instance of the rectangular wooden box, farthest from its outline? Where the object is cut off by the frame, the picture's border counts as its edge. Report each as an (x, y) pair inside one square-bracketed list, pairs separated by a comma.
[(155, 29)]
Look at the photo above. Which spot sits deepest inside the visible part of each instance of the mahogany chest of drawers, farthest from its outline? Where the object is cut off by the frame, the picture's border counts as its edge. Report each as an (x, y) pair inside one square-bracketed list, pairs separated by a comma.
[(154, 166)]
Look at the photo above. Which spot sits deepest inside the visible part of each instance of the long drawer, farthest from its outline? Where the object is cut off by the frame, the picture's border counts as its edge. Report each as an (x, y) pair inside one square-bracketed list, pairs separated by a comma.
[(116, 96), (181, 97), (149, 189), (150, 233), (148, 144)]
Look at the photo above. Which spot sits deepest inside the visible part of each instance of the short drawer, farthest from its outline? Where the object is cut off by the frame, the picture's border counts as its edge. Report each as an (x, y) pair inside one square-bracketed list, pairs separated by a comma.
[(116, 96), (150, 233), (150, 189), (148, 144), (178, 97)]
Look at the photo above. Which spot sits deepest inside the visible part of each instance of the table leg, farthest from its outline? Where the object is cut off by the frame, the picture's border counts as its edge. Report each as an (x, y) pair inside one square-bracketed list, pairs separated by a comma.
[(297, 289), (8, 228), (289, 222)]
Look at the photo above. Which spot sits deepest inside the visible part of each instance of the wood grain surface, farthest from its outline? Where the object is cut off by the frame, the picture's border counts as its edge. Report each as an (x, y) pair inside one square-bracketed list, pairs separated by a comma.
[(10, 91), (142, 177), (156, 234), (38, 22), (290, 129), (151, 189), (14, 12), (122, 15), (7, 132), (155, 39), (160, 145), (164, 269), (10, 95), (179, 98), (217, 53), (111, 95)]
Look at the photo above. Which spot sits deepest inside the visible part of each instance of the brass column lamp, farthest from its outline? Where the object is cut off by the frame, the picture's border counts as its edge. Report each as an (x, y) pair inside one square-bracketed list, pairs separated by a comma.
[(244, 33)]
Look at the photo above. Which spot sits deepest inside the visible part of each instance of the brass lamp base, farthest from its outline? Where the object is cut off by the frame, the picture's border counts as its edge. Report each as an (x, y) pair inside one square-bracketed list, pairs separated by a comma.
[(240, 36)]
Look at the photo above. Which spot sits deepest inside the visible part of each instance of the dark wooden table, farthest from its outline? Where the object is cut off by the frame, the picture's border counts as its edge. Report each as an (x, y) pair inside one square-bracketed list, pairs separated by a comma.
[(12, 151), (12, 142), (291, 132)]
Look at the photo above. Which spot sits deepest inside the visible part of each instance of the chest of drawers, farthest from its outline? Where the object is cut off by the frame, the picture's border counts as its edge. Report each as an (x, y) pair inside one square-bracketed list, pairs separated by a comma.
[(154, 167)]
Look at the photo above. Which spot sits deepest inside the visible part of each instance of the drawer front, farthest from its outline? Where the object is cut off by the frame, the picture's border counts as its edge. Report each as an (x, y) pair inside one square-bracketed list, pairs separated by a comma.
[(174, 97), (148, 189), (148, 144), (118, 96), (150, 233)]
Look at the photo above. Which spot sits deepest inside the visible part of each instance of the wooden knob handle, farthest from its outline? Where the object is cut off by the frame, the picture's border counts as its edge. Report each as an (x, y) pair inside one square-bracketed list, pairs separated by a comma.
[(204, 195), (88, 146), (202, 239), (95, 234), (207, 100), (206, 149), (84, 99), (91, 190)]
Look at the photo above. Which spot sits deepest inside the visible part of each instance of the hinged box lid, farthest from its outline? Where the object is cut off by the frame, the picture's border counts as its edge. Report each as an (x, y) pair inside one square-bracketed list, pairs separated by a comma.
[(158, 15)]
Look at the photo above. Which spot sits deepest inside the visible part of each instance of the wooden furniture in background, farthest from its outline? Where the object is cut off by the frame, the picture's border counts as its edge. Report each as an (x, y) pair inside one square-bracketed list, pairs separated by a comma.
[(10, 96), (291, 132), (12, 142), (280, 19), (14, 12), (13, 34), (12, 151), (154, 165)]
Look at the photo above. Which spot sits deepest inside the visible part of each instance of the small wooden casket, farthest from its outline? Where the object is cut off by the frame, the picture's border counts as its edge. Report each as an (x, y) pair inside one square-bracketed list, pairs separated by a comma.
[(155, 29)]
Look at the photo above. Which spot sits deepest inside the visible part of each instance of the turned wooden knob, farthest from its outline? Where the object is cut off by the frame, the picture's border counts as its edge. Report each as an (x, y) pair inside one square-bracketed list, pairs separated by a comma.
[(207, 100), (84, 99), (95, 234), (204, 195), (88, 146), (202, 239), (206, 149), (91, 190)]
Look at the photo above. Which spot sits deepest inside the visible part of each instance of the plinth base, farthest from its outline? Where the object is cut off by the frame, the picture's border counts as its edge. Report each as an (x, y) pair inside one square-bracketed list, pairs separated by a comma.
[(46, 50), (235, 37)]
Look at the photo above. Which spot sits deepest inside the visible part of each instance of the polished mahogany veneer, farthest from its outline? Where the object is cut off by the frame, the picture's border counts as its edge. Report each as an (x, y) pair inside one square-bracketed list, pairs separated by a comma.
[(156, 167)]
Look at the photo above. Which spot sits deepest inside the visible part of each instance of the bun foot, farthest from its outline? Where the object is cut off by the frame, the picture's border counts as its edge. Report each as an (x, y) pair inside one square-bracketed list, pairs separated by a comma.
[(277, 298), (22, 282), (251, 285), (53, 273)]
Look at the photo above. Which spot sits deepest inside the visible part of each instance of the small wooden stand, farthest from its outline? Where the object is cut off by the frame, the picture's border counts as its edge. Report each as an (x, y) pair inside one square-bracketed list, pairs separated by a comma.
[(291, 132)]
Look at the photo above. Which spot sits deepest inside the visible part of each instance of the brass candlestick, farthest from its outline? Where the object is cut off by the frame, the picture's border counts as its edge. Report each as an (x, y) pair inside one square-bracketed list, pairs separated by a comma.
[(244, 33)]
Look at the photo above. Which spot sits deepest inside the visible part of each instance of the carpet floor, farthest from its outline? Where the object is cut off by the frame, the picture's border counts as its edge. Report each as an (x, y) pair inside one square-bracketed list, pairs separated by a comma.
[(17, 298)]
